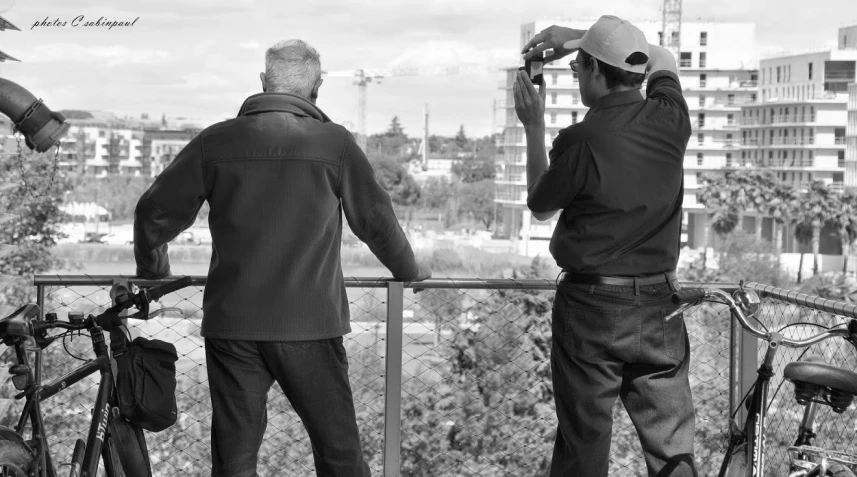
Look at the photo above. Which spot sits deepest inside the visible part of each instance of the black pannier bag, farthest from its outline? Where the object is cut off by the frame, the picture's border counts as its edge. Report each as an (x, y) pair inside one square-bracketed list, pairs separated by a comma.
[(146, 383)]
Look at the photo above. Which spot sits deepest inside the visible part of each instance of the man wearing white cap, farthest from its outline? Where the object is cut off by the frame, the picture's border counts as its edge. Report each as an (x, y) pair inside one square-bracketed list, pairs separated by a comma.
[(616, 179)]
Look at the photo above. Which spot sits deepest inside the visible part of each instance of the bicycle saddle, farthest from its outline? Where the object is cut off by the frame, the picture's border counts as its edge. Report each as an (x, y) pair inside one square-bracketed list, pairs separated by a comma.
[(815, 371), (17, 324)]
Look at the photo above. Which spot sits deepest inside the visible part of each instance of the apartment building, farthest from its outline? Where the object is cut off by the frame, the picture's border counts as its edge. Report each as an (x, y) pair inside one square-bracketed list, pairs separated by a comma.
[(99, 143), (851, 139), (798, 129), (718, 72)]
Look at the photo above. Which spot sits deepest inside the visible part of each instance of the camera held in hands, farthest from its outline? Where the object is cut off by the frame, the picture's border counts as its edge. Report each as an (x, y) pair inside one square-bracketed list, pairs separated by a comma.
[(534, 68)]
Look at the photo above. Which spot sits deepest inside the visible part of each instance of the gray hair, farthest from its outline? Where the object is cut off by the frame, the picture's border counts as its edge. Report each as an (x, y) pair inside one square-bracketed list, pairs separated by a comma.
[(292, 66)]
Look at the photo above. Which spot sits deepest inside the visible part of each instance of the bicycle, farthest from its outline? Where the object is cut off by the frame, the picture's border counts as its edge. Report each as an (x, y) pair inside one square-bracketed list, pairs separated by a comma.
[(119, 444), (816, 383)]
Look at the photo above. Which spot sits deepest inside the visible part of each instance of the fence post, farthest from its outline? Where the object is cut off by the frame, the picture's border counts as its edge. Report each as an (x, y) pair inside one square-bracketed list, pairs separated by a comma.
[(393, 381), (744, 360)]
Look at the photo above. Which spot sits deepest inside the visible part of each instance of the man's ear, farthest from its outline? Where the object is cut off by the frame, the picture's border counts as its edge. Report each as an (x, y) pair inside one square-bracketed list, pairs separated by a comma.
[(264, 86), (314, 94)]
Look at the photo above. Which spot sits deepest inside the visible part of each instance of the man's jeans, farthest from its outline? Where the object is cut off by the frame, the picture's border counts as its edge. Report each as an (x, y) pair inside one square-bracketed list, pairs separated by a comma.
[(313, 376), (609, 342)]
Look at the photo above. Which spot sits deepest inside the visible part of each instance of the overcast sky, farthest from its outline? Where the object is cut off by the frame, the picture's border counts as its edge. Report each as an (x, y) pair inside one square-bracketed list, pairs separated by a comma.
[(203, 57)]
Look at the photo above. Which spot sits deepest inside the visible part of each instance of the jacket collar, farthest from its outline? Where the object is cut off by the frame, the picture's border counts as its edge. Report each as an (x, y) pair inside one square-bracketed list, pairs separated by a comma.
[(281, 102), (617, 99)]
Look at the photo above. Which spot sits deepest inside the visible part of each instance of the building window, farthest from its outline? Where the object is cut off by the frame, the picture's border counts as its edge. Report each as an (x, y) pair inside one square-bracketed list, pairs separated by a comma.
[(699, 158), (101, 133), (685, 59), (700, 139), (729, 159), (574, 76), (810, 70), (703, 38), (702, 59), (702, 80), (700, 119), (778, 74), (553, 98), (730, 100), (554, 78), (729, 139), (574, 117), (574, 98), (753, 98), (730, 119), (701, 100), (553, 118), (841, 159)]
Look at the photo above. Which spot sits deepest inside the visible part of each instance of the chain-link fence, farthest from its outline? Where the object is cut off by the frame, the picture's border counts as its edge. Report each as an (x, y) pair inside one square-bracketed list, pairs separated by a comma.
[(467, 366)]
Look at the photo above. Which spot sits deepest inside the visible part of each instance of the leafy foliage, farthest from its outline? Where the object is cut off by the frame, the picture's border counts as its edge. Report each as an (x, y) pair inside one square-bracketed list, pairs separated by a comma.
[(36, 227)]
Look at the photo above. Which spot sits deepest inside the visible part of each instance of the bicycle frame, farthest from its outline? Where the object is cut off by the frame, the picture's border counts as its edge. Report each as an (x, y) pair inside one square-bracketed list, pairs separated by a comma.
[(754, 429), (96, 439)]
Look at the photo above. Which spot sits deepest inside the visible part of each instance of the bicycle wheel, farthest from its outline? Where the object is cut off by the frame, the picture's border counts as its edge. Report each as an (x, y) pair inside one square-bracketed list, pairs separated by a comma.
[(15, 458), (129, 454)]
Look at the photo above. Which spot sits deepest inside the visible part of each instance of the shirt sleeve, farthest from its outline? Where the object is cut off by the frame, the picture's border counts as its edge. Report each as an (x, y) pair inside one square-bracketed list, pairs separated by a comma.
[(664, 87), (168, 208), (369, 212), (556, 187)]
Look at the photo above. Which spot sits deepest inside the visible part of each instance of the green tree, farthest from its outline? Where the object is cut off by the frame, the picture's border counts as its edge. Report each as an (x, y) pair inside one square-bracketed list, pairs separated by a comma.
[(780, 204), (816, 208), (403, 189), (477, 201), (115, 145), (117, 193), (36, 226), (461, 140), (803, 234), (845, 218), (716, 195)]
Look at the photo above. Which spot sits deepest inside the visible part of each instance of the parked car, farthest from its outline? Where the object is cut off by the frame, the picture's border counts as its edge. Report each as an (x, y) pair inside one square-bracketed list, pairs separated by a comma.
[(93, 237)]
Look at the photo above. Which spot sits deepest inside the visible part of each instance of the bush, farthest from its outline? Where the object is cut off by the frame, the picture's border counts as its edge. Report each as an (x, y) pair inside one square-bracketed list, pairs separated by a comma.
[(745, 257)]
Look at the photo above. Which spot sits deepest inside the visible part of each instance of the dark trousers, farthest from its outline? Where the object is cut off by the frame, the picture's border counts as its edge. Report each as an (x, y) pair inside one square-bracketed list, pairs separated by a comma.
[(313, 376), (610, 342)]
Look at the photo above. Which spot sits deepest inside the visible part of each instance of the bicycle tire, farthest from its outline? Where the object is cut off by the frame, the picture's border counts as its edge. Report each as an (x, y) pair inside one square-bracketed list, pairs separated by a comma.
[(129, 451), (15, 458)]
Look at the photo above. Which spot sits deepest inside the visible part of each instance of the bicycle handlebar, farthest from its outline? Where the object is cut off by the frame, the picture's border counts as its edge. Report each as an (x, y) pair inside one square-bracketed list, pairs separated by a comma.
[(691, 295), (110, 317)]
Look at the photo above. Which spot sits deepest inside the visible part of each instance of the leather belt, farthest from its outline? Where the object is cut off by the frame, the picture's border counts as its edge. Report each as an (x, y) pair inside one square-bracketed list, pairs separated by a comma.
[(583, 279)]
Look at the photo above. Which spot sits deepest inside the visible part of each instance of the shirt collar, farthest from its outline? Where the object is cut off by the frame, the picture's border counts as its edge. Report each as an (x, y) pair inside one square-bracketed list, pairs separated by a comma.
[(281, 102), (617, 99)]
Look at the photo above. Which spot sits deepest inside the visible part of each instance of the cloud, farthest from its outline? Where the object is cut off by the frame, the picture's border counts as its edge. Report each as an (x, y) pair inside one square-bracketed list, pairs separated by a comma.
[(114, 55)]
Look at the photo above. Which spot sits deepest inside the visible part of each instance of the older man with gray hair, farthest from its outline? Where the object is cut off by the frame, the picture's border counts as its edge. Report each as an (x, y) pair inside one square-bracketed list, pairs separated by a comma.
[(277, 179)]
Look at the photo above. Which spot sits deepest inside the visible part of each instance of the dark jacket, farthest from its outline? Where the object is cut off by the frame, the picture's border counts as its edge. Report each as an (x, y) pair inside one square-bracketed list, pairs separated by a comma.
[(618, 177), (277, 179)]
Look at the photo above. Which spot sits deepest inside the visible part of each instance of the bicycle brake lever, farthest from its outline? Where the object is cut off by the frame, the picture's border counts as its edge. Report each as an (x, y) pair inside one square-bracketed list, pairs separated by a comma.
[(165, 310)]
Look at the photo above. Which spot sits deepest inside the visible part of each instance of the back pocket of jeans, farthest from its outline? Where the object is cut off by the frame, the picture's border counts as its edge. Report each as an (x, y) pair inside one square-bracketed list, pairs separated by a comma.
[(585, 331), (675, 335)]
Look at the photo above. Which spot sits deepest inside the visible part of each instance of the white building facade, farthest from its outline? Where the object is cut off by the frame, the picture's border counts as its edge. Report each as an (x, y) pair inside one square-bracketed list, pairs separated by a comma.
[(851, 140), (718, 73)]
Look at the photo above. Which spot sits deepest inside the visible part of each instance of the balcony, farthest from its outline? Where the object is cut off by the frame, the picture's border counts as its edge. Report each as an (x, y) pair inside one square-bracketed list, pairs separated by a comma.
[(421, 409), (779, 119)]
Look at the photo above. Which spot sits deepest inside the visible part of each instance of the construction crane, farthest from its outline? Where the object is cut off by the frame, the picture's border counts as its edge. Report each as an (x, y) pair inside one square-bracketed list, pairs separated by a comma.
[(362, 77), (671, 36)]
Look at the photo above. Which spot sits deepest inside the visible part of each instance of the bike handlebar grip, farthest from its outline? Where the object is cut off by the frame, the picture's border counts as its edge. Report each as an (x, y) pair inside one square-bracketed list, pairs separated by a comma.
[(156, 292), (689, 295)]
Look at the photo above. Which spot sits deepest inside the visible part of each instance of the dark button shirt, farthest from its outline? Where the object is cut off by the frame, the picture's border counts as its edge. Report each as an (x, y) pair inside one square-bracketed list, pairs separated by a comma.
[(278, 179), (618, 177)]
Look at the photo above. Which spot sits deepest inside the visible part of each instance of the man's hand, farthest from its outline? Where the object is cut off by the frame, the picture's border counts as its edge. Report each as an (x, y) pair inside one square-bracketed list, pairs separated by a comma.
[(424, 272), (552, 37), (529, 103)]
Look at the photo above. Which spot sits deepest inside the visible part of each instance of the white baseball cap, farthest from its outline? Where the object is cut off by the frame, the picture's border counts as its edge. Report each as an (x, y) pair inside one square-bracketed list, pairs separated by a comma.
[(615, 42)]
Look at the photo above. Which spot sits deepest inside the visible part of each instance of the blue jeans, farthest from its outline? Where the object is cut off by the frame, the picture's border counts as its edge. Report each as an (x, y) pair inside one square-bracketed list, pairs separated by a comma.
[(313, 376), (609, 342)]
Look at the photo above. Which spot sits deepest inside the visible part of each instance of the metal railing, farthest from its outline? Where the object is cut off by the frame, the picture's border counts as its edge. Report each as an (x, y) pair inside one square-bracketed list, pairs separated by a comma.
[(451, 381)]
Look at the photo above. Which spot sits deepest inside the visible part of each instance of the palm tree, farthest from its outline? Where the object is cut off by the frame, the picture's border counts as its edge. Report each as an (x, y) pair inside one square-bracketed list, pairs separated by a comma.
[(816, 209), (716, 196), (845, 218), (781, 203), (803, 234)]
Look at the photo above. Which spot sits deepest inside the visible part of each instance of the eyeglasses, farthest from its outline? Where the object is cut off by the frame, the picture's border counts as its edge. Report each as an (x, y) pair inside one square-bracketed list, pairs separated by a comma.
[(574, 65)]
